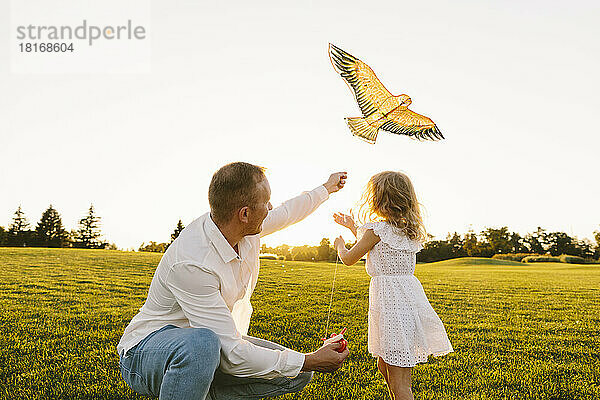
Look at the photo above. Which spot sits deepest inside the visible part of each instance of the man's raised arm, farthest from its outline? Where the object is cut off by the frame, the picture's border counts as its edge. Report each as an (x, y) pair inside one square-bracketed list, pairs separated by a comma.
[(299, 207)]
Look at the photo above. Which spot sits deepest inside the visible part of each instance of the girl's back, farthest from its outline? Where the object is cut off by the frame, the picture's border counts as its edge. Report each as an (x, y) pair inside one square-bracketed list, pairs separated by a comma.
[(395, 254)]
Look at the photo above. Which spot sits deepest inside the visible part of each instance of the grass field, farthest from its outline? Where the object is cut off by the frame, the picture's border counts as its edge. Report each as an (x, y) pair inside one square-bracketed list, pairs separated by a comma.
[(520, 331)]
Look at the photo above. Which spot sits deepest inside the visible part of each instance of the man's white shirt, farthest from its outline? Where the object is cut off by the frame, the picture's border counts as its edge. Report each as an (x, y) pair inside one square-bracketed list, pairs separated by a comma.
[(201, 282)]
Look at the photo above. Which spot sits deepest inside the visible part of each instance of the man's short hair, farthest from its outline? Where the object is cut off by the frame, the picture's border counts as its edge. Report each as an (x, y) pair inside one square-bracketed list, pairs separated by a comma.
[(232, 187)]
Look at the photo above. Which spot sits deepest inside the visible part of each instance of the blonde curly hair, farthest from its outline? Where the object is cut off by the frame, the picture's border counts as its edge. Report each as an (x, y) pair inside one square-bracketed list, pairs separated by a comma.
[(390, 196)]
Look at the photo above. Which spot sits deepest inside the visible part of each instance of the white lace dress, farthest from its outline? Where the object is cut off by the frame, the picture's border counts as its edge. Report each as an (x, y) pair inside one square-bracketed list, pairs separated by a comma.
[(403, 327)]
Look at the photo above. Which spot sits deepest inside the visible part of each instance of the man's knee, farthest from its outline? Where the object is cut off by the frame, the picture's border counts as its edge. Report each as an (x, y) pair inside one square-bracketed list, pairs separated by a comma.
[(300, 381), (201, 347), (207, 345), (190, 366), (207, 339)]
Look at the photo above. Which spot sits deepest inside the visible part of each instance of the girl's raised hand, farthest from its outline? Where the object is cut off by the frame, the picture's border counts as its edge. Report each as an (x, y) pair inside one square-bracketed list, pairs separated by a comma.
[(344, 220)]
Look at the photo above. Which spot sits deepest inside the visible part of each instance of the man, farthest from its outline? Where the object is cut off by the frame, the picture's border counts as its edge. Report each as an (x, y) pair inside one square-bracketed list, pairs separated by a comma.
[(198, 308)]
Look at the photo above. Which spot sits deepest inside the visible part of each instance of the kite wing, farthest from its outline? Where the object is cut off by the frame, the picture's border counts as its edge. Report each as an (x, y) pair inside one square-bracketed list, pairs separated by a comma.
[(407, 122), (368, 90)]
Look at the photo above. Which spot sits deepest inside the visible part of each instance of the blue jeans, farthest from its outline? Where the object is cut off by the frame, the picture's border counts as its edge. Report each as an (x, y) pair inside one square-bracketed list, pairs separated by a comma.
[(182, 363)]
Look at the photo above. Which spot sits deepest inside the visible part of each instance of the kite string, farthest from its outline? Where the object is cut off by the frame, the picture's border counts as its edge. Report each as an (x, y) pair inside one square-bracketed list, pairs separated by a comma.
[(331, 296)]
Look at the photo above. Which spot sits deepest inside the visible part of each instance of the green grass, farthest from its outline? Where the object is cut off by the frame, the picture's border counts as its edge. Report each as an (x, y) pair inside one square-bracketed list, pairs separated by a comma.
[(520, 331)]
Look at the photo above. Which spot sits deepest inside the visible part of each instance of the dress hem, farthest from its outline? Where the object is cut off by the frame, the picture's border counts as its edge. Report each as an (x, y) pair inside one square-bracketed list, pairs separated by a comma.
[(420, 361)]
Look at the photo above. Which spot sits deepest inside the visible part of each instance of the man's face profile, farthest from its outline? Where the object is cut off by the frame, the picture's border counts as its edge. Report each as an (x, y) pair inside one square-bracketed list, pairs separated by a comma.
[(258, 213)]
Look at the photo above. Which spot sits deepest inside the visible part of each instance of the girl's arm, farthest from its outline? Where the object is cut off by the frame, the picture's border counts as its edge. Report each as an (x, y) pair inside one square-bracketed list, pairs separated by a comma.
[(362, 247)]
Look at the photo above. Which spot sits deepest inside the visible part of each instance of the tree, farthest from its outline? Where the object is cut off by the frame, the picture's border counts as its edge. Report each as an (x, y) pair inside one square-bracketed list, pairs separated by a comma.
[(597, 238), (470, 244), (50, 231), (584, 248), (560, 243), (3, 234), (18, 234), (283, 250), (536, 241), (304, 253), (88, 233), (517, 243), (154, 247), (436, 250), (324, 251), (498, 239), (177, 231), (456, 245)]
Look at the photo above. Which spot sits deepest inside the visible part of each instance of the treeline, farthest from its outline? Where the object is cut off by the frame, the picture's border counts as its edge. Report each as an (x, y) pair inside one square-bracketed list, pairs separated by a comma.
[(487, 243), (496, 241), (323, 252), (50, 232), (162, 247)]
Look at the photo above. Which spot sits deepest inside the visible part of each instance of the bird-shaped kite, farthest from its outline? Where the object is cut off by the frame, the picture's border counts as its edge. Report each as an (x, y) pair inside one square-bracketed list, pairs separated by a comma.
[(381, 109)]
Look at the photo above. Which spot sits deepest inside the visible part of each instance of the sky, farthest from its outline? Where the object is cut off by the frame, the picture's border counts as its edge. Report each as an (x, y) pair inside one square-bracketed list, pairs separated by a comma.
[(512, 85)]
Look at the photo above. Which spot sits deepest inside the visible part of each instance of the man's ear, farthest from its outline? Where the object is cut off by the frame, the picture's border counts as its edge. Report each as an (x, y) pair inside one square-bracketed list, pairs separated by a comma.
[(243, 214)]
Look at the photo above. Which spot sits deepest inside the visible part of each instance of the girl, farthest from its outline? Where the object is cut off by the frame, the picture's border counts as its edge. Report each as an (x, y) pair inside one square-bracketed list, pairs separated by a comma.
[(403, 327)]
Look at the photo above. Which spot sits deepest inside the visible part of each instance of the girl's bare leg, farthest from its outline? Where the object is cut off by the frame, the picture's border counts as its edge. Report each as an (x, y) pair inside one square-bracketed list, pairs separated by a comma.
[(382, 367), (400, 382)]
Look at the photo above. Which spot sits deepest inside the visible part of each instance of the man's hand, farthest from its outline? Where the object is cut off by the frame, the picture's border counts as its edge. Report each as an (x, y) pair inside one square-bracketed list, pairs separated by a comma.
[(325, 359), (336, 181)]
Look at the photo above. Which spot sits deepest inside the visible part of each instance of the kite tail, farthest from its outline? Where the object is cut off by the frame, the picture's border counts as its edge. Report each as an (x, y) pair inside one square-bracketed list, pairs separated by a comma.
[(361, 128)]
